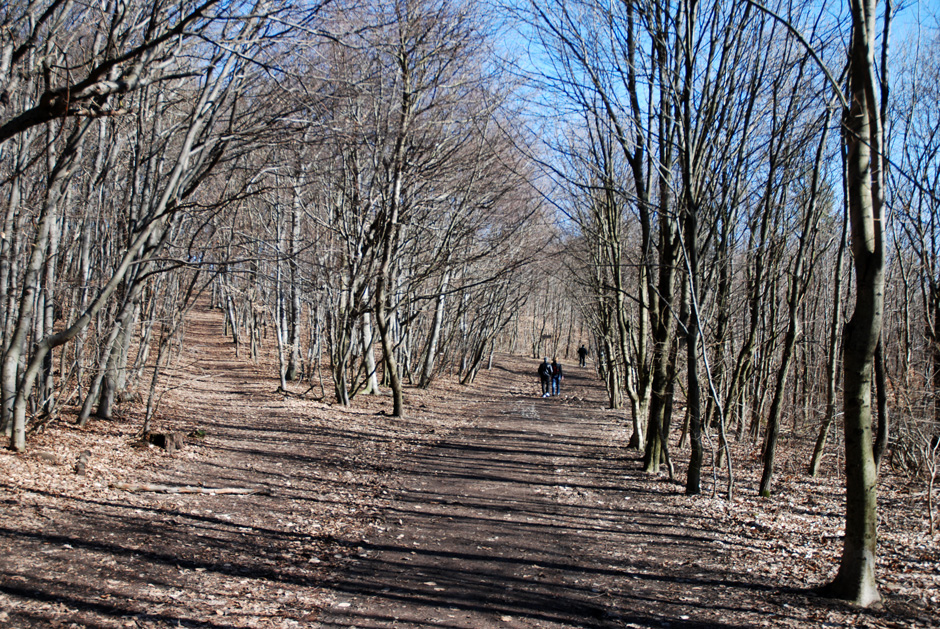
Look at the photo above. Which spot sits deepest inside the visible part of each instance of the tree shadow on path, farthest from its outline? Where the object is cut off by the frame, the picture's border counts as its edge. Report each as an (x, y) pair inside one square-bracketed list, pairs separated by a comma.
[(530, 517)]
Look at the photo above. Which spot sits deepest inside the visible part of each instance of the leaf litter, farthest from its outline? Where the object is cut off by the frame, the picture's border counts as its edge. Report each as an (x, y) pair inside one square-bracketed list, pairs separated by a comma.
[(75, 550)]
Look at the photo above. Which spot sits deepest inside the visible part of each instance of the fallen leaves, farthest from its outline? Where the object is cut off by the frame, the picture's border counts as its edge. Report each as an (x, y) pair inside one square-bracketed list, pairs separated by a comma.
[(261, 560)]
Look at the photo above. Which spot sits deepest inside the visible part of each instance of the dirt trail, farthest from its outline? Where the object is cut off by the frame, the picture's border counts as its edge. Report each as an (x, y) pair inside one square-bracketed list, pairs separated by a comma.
[(488, 507), (76, 551), (532, 518)]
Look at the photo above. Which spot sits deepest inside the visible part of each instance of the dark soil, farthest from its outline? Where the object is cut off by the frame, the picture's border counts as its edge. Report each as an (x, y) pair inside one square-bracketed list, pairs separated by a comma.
[(488, 507)]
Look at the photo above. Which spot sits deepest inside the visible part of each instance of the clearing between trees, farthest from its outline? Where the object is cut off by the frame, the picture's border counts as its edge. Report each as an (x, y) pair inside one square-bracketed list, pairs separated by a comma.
[(487, 507)]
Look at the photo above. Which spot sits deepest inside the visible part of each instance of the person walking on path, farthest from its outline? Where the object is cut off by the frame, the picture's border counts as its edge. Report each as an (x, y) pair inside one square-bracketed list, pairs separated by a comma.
[(556, 376), (582, 354), (545, 375)]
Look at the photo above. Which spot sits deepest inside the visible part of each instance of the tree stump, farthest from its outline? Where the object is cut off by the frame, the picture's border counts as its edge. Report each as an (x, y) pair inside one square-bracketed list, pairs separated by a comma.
[(82, 462), (169, 441)]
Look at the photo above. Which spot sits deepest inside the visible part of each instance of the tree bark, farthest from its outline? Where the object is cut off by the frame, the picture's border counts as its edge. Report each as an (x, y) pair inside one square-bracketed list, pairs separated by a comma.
[(294, 361), (884, 423), (368, 352), (693, 483), (855, 580)]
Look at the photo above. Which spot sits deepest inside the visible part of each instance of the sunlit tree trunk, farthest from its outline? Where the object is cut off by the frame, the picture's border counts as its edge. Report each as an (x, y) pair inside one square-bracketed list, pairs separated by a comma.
[(293, 321), (9, 384), (855, 580), (430, 353), (368, 352)]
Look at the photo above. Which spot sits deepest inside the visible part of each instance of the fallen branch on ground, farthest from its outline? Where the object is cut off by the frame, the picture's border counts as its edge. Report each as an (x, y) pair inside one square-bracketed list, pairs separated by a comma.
[(184, 489)]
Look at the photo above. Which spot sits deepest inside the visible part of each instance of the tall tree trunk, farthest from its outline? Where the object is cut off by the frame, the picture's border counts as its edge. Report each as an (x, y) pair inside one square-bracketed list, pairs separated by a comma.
[(383, 314), (427, 367), (663, 333), (9, 386), (832, 359), (280, 314), (693, 483), (294, 360), (368, 354), (662, 294), (855, 580)]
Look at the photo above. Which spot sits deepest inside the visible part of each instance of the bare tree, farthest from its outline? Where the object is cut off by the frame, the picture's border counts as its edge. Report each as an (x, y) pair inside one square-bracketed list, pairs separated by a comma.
[(126, 54), (863, 138)]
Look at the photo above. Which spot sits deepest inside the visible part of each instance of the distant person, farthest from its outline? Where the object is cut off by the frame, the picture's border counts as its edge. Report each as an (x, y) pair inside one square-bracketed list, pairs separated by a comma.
[(582, 355), (556, 376), (545, 375)]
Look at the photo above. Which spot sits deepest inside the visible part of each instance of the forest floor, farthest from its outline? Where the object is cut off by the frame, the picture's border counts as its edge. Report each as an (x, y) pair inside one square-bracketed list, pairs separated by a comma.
[(488, 506)]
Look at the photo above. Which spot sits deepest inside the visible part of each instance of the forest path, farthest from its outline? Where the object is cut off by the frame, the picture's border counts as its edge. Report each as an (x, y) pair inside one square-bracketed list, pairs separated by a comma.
[(82, 551), (532, 516), (487, 506)]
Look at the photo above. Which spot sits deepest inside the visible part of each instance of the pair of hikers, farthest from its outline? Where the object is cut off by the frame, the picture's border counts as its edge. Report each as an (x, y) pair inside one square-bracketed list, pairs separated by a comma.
[(550, 375)]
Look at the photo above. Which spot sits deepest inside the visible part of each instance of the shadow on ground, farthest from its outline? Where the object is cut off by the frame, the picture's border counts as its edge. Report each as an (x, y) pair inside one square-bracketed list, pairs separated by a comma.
[(529, 519)]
